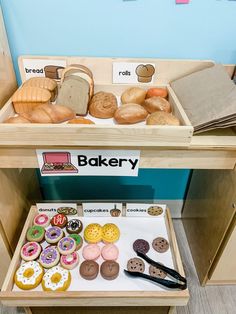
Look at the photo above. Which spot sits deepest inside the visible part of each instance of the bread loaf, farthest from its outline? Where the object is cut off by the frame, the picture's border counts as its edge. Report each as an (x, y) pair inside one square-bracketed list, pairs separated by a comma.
[(45, 83), (17, 119), (156, 104), (26, 98), (103, 105), (80, 120), (130, 113), (50, 114), (162, 118), (133, 95)]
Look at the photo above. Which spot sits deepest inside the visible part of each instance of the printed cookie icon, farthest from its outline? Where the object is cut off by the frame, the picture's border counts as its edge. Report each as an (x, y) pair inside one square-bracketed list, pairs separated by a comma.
[(155, 211), (115, 212), (145, 72)]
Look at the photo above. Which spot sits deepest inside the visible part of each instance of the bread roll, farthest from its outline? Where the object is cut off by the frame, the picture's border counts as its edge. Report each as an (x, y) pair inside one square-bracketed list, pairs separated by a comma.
[(80, 120), (156, 104), (134, 95), (162, 118), (130, 113), (45, 83), (50, 114), (18, 119), (155, 91), (103, 105)]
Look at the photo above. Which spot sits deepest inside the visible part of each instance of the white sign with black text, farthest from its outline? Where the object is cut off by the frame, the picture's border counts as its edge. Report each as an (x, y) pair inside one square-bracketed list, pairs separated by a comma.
[(52, 209), (88, 162), (145, 210), (102, 209)]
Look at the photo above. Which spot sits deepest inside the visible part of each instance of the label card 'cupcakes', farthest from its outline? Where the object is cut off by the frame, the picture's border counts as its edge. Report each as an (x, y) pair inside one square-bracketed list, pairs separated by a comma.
[(145, 210), (102, 209)]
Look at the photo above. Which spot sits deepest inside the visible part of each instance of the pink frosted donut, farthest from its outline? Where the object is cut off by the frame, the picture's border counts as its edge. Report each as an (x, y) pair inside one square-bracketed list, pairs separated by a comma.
[(30, 251), (110, 252), (42, 220), (70, 261), (91, 252)]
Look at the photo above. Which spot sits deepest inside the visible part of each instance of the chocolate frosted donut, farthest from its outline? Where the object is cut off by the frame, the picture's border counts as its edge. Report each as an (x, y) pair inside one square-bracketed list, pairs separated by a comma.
[(136, 264), (141, 246), (110, 270), (89, 270), (161, 245), (74, 226)]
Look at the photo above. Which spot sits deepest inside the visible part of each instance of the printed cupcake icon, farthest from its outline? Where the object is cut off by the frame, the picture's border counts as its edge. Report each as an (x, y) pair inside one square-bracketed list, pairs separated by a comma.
[(115, 212), (145, 73)]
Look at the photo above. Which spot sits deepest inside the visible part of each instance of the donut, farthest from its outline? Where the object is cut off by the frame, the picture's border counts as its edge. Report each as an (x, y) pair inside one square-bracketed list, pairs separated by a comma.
[(110, 252), (35, 234), (91, 252), (66, 245), (78, 240), (29, 275), (74, 226), (70, 261), (110, 233), (93, 233), (42, 220), (49, 257), (53, 235), (30, 251), (59, 220), (56, 279)]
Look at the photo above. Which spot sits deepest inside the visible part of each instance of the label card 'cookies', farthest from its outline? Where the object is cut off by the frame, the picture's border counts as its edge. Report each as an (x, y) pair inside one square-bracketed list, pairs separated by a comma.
[(133, 73), (102, 209), (145, 210)]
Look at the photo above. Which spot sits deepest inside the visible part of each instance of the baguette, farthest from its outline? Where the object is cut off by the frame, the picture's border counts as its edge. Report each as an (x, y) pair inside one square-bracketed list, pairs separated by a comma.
[(18, 119)]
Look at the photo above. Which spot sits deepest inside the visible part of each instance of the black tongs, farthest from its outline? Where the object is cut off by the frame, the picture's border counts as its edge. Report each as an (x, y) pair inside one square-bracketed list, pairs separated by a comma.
[(181, 281)]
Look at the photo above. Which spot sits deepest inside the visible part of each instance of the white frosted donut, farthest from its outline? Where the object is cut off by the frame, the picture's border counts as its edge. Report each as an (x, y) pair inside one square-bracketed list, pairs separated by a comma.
[(56, 279), (70, 261), (29, 275), (42, 220)]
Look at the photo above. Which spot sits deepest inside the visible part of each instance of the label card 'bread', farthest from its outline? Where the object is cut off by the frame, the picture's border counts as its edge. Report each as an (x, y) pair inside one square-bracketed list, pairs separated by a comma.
[(133, 73)]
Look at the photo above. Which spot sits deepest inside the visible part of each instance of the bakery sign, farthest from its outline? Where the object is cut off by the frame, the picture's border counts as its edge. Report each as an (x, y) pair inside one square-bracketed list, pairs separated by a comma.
[(88, 162), (133, 73)]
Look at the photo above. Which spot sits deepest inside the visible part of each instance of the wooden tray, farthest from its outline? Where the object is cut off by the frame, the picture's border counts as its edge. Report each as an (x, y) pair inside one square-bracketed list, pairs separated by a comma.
[(115, 135), (92, 298)]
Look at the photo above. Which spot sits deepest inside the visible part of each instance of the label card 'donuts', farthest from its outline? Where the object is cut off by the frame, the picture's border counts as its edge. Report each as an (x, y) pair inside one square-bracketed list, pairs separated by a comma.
[(51, 209), (145, 210), (88, 162), (133, 73), (102, 209)]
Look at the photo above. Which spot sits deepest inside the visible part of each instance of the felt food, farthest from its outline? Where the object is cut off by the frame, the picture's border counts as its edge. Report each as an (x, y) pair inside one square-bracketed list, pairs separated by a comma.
[(155, 91), (27, 98), (80, 120), (145, 73), (134, 95), (45, 83), (76, 88), (103, 105), (29, 275), (18, 119), (56, 279), (162, 118), (156, 104), (50, 114), (130, 113)]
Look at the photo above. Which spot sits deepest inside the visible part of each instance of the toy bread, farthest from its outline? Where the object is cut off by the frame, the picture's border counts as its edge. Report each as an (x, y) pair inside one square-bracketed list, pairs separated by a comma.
[(49, 114), (134, 95), (156, 104), (103, 105), (25, 99), (162, 118), (17, 119), (43, 82), (130, 113)]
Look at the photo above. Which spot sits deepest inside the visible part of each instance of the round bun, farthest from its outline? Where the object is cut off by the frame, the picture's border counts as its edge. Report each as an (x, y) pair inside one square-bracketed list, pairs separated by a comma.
[(18, 119), (80, 120), (157, 104), (162, 118), (103, 105), (130, 113), (133, 95), (155, 91)]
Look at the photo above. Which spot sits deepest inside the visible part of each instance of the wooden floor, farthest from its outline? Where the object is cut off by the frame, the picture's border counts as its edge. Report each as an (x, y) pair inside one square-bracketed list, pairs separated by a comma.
[(209, 300)]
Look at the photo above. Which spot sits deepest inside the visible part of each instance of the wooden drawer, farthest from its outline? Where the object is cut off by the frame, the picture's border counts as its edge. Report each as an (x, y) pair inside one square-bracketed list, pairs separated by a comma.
[(93, 298)]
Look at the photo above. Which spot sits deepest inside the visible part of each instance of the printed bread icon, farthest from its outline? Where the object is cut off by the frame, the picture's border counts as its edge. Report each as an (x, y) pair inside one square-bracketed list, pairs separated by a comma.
[(145, 73), (53, 71)]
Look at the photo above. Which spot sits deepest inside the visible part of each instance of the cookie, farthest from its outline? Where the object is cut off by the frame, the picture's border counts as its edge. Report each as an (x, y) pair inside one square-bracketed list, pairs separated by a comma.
[(103, 105), (59, 220), (141, 246), (161, 245), (89, 270), (74, 226), (136, 264), (155, 211), (110, 270), (156, 272)]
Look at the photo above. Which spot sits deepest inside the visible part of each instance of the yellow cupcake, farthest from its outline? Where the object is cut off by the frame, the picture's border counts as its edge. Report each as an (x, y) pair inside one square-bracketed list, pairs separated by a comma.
[(56, 279), (110, 233), (29, 275), (93, 233)]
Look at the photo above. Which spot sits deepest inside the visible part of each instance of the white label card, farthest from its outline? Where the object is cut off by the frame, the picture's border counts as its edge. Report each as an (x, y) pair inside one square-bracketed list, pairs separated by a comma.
[(88, 162), (43, 68), (102, 209), (133, 73), (145, 210), (51, 209)]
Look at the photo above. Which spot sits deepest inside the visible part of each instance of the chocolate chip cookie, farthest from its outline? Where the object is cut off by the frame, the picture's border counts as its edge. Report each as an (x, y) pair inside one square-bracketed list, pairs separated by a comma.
[(161, 245), (136, 264), (141, 245), (156, 272)]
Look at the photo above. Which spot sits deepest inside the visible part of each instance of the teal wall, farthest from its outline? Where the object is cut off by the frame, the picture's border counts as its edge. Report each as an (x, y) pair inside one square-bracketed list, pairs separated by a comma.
[(203, 29)]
